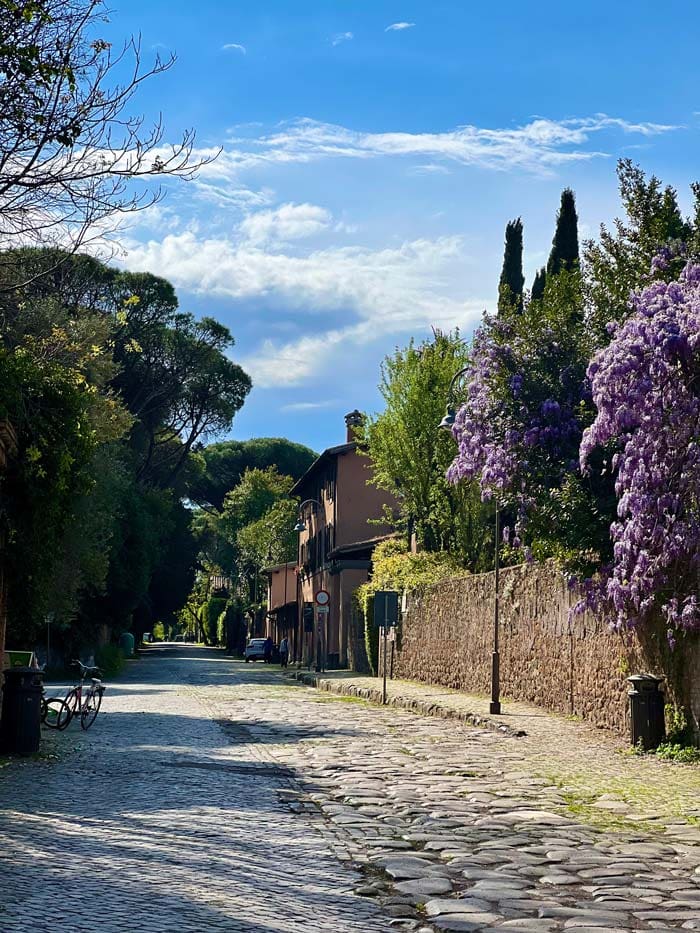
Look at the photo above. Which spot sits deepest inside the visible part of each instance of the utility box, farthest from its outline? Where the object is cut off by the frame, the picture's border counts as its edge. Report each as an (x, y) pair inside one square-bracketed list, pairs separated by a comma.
[(647, 702), (20, 723), (127, 644)]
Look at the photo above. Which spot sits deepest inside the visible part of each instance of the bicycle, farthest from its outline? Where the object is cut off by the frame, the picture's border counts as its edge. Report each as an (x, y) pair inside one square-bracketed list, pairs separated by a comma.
[(55, 712), (86, 702)]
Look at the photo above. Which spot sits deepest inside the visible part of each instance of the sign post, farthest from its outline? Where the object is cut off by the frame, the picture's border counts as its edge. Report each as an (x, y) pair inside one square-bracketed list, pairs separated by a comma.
[(386, 615), (323, 598)]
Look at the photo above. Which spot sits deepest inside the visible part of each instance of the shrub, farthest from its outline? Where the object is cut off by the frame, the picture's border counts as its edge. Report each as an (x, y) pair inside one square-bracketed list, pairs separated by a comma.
[(109, 658), (396, 568), (213, 608)]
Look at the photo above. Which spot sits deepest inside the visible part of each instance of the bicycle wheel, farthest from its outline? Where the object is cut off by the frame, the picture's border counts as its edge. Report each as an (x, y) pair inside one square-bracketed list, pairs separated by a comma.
[(91, 709), (71, 700), (58, 713)]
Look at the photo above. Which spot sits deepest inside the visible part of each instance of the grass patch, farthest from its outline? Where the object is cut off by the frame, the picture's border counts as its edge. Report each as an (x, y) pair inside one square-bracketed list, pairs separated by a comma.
[(582, 806), (341, 698)]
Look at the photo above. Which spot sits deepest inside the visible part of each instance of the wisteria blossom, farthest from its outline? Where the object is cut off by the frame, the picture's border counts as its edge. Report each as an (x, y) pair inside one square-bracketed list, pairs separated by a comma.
[(646, 388), (519, 429)]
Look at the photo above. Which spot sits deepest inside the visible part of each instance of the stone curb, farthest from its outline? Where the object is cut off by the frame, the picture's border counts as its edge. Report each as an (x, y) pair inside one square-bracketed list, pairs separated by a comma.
[(416, 705)]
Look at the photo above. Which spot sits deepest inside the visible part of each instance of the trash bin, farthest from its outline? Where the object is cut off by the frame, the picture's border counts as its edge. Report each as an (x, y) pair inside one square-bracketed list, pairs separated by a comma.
[(127, 644), (647, 724), (20, 723)]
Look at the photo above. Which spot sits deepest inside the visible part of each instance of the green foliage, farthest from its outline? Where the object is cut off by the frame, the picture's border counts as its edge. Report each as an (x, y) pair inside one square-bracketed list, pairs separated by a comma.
[(226, 462), (252, 498), (538, 285), (110, 659), (396, 568), (564, 254), (510, 287), (108, 387), (410, 455), (619, 262), (271, 539), (158, 631), (685, 754), (211, 611)]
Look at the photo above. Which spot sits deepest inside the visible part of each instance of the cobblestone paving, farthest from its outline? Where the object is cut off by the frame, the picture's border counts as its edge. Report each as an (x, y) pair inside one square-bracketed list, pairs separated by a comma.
[(160, 820), (592, 767), (218, 795), (454, 816)]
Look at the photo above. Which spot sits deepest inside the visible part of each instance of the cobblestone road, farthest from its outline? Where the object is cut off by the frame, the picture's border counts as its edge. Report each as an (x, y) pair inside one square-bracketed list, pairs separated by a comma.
[(160, 820), (154, 822)]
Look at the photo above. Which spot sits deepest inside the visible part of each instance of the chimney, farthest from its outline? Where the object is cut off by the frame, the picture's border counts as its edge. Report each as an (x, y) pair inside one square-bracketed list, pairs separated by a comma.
[(353, 420)]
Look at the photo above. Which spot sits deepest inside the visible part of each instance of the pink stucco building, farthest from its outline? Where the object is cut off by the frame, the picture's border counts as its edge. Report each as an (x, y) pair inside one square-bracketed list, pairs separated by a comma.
[(335, 548)]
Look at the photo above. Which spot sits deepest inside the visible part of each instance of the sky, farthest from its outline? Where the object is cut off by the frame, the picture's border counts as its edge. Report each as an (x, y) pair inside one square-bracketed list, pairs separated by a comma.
[(369, 157)]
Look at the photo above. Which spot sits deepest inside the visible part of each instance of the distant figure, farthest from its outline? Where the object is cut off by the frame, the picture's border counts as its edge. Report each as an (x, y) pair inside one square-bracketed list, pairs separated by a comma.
[(284, 651), (268, 650)]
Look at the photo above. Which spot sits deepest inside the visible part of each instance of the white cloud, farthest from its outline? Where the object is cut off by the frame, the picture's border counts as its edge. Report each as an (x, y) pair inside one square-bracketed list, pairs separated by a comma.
[(288, 222), (538, 146), (310, 406), (433, 168), (342, 37), (234, 47), (382, 292), (399, 27)]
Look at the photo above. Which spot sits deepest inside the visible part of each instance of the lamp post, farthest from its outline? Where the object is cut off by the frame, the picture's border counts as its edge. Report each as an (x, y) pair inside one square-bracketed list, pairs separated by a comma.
[(301, 526), (447, 424)]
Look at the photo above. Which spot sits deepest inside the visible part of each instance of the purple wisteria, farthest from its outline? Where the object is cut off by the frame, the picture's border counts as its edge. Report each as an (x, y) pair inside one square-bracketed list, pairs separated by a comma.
[(520, 423), (646, 387)]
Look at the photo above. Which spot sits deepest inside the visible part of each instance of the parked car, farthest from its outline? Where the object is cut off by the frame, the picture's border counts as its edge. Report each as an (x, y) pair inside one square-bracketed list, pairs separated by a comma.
[(255, 650)]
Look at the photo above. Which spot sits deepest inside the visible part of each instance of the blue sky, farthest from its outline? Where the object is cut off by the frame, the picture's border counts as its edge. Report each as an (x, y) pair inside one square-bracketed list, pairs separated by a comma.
[(372, 154)]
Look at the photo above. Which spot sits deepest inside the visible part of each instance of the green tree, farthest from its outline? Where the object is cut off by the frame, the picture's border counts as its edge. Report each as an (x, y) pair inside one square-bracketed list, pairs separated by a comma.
[(226, 462), (252, 498), (565, 253), (510, 288), (272, 538), (410, 456), (98, 531), (620, 261), (538, 285)]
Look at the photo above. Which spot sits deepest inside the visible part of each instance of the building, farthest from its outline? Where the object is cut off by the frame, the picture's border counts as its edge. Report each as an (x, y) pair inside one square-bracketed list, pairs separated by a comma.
[(281, 602), (335, 549)]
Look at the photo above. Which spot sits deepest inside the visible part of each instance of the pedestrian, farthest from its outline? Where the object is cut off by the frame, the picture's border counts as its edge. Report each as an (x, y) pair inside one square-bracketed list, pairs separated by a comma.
[(268, 650), (284, 651)]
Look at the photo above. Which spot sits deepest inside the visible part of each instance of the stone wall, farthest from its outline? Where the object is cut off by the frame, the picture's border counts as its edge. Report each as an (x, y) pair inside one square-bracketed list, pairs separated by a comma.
[(574, 667)]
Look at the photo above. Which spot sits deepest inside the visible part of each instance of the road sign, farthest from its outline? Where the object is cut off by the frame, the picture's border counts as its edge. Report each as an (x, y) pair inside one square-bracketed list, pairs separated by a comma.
[(323, 597), (323, 609), (386, 608), (308, 615)]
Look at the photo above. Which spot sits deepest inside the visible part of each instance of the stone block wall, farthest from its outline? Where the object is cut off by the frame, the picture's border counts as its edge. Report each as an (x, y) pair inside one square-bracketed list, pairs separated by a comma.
[(573, 667)]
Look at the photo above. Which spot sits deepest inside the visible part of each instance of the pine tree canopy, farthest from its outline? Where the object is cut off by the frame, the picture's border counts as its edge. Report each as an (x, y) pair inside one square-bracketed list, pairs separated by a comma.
[(510, 290), (564, 254)]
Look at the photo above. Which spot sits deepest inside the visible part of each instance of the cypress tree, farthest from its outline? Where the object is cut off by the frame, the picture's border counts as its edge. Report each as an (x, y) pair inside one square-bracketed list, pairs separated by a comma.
[(564, 253), (510, 286), (538, 285)]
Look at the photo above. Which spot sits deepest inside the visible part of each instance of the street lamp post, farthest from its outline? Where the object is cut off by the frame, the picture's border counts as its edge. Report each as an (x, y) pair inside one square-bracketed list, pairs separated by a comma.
[(447, 424), (495, 704)]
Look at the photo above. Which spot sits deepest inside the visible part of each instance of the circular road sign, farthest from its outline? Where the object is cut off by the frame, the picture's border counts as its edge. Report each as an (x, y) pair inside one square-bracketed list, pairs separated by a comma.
[(323, 597)]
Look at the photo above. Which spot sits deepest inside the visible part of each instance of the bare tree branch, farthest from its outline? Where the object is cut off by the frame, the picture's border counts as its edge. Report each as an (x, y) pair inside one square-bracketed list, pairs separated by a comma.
[(73, 159)]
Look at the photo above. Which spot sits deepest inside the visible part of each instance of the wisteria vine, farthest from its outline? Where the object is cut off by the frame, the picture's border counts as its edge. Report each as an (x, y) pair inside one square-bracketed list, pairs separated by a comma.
[(646, 388)]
